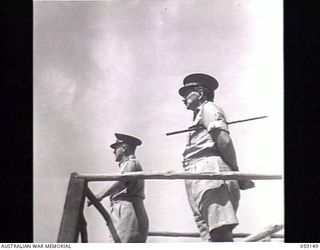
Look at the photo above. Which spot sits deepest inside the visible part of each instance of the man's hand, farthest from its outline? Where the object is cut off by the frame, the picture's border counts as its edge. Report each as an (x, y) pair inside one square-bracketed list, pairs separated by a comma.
[(228, 154), (246, 184)]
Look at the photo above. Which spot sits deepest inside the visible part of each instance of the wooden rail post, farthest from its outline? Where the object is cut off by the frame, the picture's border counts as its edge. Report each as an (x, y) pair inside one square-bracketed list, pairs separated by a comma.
[(83, 229), (73, 210)]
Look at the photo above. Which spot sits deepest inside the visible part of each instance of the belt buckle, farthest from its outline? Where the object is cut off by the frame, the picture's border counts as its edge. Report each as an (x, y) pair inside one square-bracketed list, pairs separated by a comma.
[(185, 163)]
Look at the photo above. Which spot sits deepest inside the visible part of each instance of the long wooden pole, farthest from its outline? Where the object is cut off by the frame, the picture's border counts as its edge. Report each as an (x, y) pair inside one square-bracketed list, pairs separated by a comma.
[(268, 231), (230, 175), (197, 235)]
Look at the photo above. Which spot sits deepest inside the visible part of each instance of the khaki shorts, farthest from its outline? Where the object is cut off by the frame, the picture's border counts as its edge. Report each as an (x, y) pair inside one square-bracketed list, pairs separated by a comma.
[(130, 220), (213, 202)]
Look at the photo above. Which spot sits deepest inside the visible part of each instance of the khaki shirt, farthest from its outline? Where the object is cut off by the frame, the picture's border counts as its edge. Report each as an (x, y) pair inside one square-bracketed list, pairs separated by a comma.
[(133, 188), (200, 142)]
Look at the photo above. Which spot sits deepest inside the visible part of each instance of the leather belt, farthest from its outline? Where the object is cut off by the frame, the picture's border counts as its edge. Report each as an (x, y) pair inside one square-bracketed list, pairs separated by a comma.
[(129, 199), (192, 161)]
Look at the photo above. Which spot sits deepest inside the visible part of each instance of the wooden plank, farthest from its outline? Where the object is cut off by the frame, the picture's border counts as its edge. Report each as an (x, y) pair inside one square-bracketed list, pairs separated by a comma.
[(104, 214), (230, 175), (269, 230), (197, 235), (72, 211), (173, 234)]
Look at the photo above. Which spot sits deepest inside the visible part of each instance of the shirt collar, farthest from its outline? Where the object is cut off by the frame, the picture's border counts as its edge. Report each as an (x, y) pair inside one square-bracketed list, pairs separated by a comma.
[(198, 113), (126, 158), (201, 105)]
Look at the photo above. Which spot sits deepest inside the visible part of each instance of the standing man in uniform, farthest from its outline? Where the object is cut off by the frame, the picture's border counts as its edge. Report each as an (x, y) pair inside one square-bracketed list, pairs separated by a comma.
[(214, 203), (128, 212)]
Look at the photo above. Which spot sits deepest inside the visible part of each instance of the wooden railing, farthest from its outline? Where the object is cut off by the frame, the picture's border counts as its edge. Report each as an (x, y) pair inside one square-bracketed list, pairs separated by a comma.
[(197, 235), (74, 224)]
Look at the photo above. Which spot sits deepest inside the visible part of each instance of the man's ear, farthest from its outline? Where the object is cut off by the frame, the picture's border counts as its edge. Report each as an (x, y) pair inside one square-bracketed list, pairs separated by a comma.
[(125, 147), (201, 93)]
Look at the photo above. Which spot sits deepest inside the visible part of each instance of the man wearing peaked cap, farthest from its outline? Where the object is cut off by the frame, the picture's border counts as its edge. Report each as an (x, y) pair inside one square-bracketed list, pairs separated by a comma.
[(128, 212), (214, 202), (128, 139), (200, 80)]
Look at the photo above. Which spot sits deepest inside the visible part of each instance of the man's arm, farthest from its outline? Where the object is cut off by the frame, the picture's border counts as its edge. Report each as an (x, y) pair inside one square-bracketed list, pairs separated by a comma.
[(226, 148), (115, 187), (214, 120), (228, 154)]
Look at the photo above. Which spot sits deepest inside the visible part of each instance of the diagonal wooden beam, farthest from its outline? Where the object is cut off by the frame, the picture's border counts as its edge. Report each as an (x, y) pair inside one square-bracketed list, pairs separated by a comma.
[(104, 214)]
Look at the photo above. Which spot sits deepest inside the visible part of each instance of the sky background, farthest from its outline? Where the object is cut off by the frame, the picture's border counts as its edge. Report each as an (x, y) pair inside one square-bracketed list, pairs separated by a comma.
[(105, 67)]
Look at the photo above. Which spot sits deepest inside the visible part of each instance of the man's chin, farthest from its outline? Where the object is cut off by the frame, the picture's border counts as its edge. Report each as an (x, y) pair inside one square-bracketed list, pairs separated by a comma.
[(190, 108)]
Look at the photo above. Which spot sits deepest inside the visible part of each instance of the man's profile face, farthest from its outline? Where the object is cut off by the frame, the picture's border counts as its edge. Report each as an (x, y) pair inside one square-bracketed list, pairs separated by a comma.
[(191, 99), (119, 152)]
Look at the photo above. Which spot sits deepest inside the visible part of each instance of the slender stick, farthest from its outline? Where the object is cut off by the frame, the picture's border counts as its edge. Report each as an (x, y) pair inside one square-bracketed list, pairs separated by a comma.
[(200, 127), (249, 119)]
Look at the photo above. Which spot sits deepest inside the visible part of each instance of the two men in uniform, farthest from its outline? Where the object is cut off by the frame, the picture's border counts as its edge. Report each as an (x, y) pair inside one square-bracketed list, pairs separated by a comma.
[(214, 203)]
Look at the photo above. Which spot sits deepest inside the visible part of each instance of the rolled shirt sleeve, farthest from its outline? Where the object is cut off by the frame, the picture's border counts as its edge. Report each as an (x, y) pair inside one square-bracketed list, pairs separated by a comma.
[(213, 117), (129, 166), (133, 187)]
